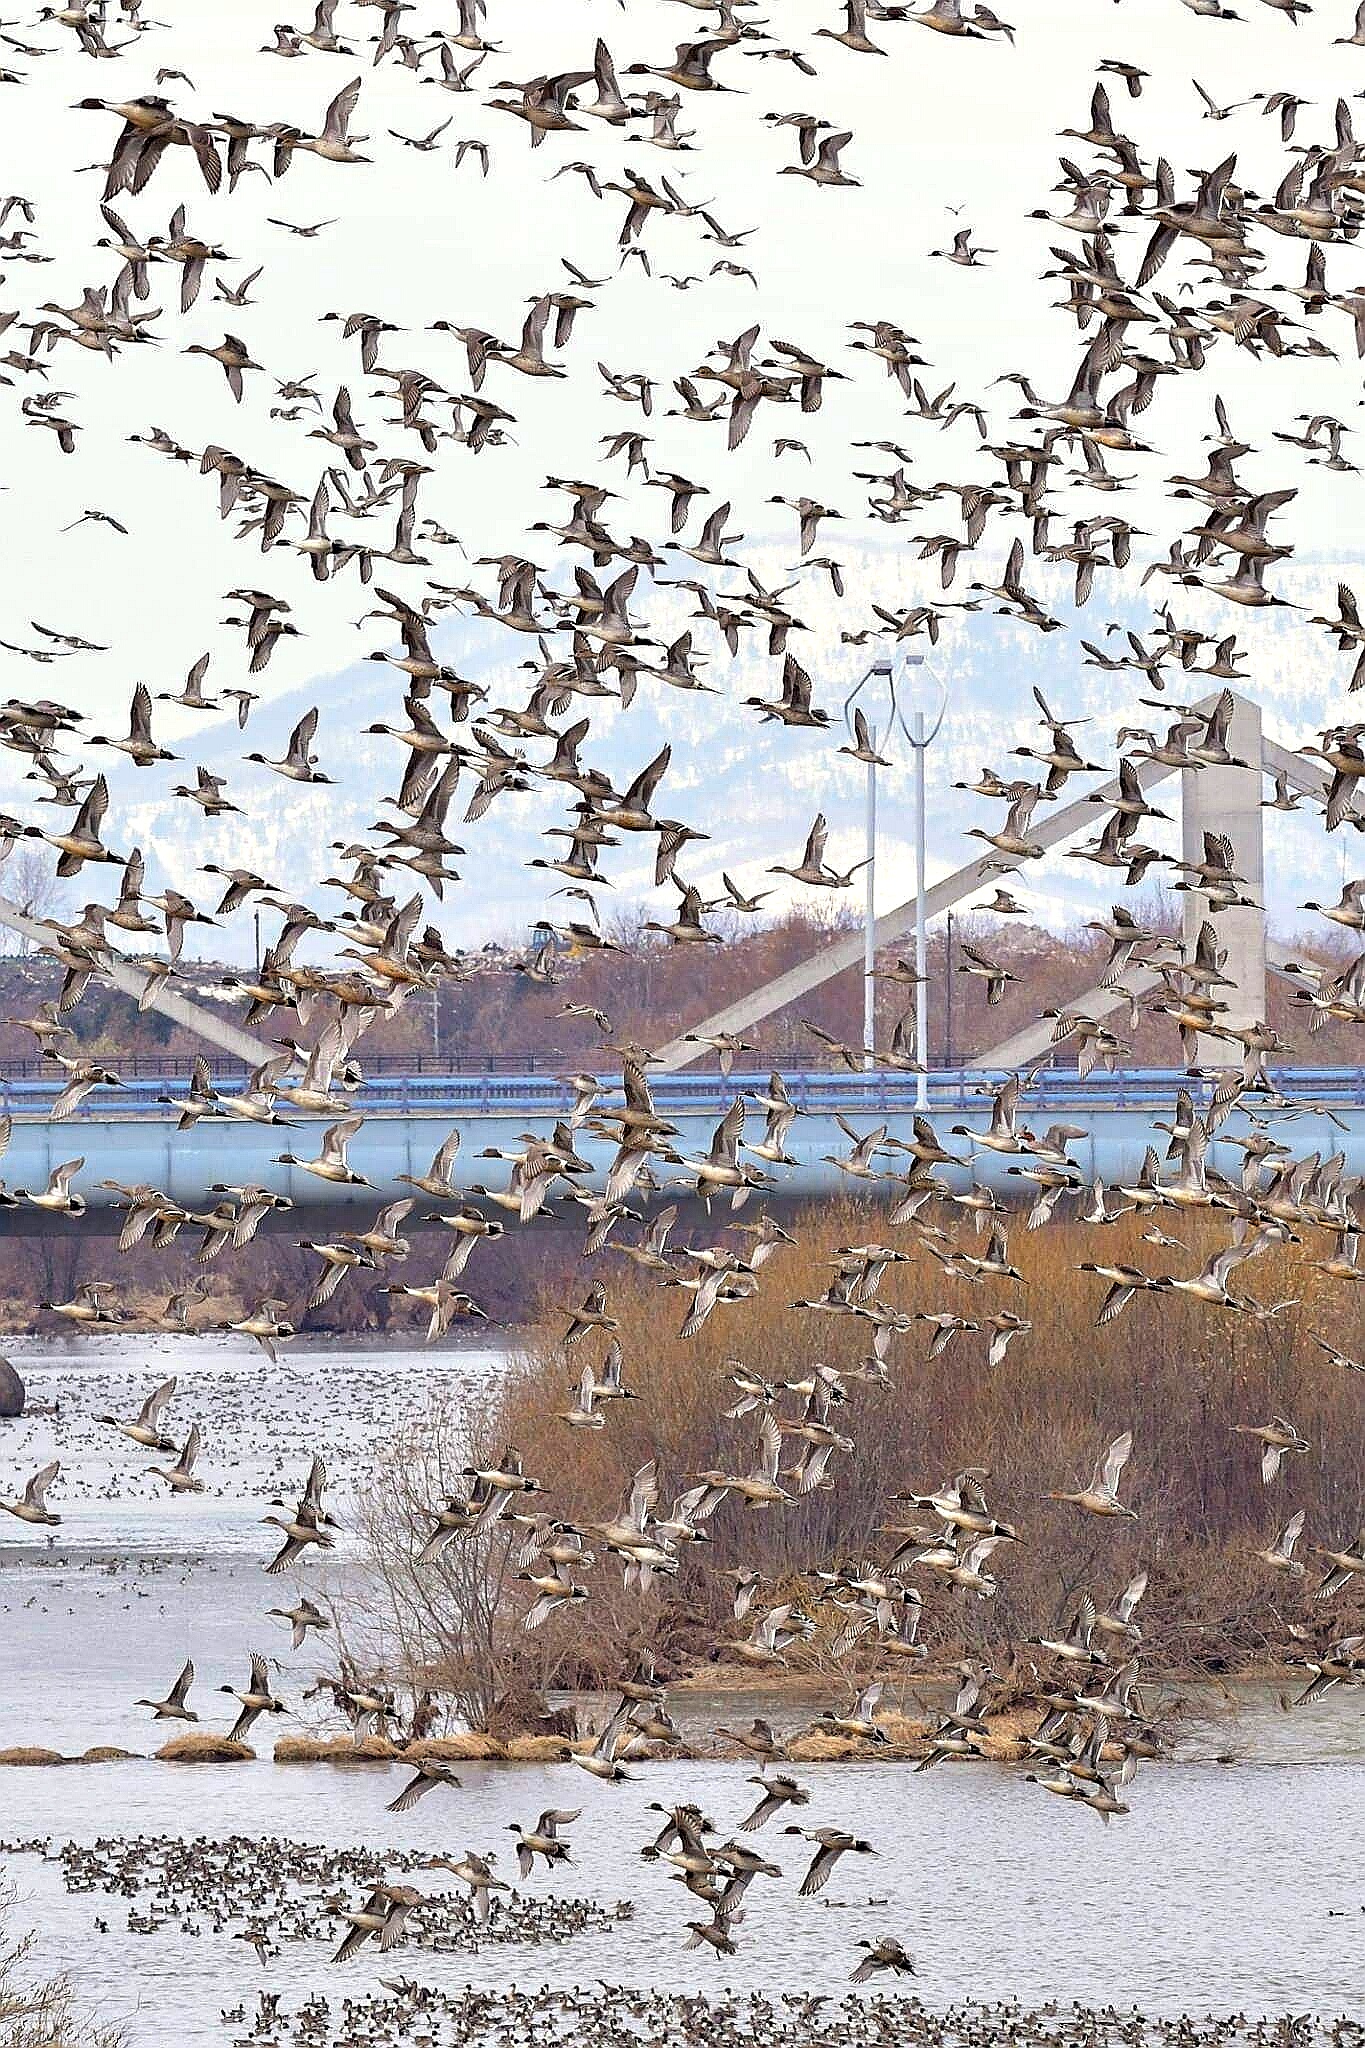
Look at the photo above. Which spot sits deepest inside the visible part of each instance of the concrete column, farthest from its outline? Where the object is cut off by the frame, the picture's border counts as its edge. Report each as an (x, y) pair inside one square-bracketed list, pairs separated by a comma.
[(1228, 800)]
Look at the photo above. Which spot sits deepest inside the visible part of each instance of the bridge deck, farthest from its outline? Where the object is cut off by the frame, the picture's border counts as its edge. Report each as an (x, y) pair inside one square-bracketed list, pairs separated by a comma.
[(128, 1136)]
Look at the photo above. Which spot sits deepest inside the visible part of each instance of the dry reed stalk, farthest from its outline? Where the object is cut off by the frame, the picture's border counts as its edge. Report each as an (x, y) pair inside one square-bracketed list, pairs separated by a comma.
[(1176, 1372), (335, 1749)]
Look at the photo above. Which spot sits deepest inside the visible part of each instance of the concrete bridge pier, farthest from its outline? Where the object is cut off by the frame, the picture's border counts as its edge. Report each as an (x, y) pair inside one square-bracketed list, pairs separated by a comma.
[(1228, 800)]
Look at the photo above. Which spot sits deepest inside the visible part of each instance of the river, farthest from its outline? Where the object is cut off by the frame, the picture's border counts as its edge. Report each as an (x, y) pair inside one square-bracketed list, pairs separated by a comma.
[(1233, 1885)]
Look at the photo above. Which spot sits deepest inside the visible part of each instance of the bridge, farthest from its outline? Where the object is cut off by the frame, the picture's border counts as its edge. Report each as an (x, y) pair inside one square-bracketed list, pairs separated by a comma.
[(130, 1136), (1225, 799)]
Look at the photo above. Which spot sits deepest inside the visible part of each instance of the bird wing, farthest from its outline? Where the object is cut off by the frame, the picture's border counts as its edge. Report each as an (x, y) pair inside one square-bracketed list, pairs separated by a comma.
[(337, 1136), (338, 116), (311, 1497), (1131, 1595), (1112, 1463), (644, 1493), (150, 1415), (728, 1132), (302, 737), (388, 1219), (555, 1818), (411, 1793), (770, 1446), (817, 1877), (445, 1158), (35, 1493)]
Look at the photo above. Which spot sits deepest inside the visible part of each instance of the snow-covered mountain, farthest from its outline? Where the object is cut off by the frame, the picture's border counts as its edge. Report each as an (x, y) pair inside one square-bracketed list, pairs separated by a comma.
[(754, 785)]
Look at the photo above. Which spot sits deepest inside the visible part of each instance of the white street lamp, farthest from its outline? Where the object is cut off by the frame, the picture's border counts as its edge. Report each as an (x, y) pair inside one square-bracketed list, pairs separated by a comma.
[(920, 735)]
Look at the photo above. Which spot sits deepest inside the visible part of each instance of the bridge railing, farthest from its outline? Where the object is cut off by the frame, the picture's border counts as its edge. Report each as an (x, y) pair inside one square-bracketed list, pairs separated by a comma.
[(525, 1094), (146, 1066)]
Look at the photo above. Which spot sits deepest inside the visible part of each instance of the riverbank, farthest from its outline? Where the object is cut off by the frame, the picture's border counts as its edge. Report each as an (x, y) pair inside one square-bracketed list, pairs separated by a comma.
[(1194, 1722), (1205, 1612), (1197, 1516)]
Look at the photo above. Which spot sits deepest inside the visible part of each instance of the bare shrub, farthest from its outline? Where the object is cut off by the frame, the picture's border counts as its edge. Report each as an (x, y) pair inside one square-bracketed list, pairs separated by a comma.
[(1179, 1374), (454, 1622)]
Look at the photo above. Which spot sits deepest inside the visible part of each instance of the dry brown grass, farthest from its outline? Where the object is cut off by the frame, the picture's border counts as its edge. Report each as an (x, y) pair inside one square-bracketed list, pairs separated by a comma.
[(907, 1735), (203, 1748), (536, 1749), (468, 1747), (1005, 1740), (819, 1748), (1176, 1372), (104, 1753), (471, 1747), (335, 1749)]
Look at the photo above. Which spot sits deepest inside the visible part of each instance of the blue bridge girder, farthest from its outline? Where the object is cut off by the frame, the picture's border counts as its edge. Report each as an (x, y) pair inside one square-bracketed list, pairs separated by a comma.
[(129, 1136)]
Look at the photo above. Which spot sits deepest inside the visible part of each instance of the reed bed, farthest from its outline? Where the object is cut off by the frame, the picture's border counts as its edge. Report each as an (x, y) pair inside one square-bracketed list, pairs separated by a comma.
[(469, 1746), (1177, 1373)]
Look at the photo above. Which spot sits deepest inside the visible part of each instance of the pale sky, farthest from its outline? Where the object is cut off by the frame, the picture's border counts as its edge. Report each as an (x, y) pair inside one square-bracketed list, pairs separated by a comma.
[(938, 124)]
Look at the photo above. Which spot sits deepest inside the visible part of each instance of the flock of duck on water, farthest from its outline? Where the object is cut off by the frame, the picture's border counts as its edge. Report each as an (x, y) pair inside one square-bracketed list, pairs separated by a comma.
[(647, 613), (264, 1890), (622, 2016)]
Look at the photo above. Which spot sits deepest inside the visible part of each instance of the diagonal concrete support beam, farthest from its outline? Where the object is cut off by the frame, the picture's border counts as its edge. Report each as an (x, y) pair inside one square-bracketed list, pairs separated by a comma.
[(1049, 829), (1305, 776), (219, 1031), (1032, 1045)]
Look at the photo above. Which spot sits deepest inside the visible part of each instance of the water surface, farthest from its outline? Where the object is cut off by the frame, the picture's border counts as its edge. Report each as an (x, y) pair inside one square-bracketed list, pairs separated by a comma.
[(1232, 1885)]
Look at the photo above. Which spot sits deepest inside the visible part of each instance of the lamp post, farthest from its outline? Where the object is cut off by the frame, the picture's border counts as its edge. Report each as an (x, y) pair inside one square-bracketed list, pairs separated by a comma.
[(921, 737), (919, 733), (876, 734), (948, 992)]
